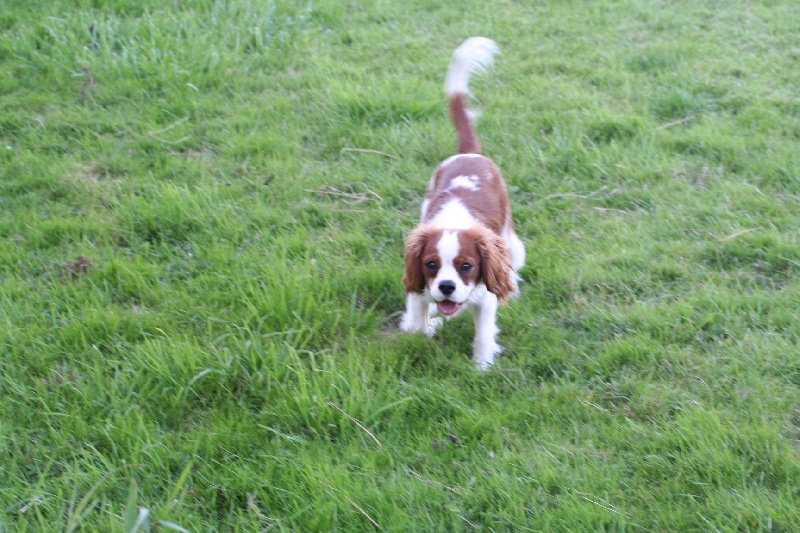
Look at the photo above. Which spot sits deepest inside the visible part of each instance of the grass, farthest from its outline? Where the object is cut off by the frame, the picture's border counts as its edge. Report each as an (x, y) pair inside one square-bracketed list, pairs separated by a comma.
[(202, 209)]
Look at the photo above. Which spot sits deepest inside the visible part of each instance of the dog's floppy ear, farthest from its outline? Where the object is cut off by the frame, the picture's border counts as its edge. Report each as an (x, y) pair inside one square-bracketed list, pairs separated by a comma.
[(413, 279), (496, 269)]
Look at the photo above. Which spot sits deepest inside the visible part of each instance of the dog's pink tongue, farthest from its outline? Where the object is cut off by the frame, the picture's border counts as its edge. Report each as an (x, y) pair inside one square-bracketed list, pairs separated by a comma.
[(448, 308)]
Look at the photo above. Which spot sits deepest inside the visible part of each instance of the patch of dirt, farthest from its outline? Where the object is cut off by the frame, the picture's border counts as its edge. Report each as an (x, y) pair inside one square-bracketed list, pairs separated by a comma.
[(76, 269)]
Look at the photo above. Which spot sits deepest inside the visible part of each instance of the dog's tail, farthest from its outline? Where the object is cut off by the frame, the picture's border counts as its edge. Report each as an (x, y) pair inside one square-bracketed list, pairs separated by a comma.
[(474, 56)]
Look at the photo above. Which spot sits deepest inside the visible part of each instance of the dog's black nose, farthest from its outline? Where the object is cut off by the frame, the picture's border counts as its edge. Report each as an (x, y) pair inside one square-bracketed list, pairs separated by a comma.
[(447, 287)]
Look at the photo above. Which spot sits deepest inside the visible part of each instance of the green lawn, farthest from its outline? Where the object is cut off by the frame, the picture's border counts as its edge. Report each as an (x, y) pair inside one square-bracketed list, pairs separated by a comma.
[(202, 214)]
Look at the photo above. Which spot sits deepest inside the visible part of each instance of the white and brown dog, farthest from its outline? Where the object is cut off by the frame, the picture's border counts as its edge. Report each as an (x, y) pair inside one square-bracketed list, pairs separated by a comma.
[(464, 254)]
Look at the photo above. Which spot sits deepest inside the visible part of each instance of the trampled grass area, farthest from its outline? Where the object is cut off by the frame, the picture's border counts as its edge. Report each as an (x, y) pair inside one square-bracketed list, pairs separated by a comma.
[(202, 209)]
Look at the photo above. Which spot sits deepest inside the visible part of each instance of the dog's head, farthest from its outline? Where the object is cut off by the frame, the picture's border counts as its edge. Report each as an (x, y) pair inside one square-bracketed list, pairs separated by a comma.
[(449, 264)]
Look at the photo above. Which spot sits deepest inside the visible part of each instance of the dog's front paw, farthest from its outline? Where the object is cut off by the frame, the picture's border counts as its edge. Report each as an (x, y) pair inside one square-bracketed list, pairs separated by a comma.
[(418, 324), (483, 355), (434, 324), (482, 366)]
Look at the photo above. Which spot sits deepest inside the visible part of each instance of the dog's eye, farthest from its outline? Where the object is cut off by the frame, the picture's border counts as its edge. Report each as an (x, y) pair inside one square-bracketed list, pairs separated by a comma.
[(466, 267), (431, 265)]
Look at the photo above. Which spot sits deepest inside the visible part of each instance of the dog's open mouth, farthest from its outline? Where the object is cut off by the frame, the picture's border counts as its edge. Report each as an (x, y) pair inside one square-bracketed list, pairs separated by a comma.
[(448, 308)]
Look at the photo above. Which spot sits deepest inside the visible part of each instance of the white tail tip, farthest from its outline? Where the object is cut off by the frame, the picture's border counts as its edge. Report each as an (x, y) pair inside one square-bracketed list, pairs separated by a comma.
[(473, 56)]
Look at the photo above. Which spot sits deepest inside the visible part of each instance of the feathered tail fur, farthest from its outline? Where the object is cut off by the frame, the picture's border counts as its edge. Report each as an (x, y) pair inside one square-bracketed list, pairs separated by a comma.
[(473, 56)]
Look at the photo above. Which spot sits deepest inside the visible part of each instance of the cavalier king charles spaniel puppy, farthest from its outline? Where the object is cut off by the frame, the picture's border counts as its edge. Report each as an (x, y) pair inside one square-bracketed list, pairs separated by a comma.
[(464, 254)]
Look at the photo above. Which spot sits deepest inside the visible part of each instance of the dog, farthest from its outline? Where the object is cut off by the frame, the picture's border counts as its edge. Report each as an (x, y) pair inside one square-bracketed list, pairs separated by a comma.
[(464, 254)]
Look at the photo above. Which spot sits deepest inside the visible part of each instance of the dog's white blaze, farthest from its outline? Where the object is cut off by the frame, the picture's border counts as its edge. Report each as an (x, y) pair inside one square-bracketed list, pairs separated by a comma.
[(465, 182), (454, 215), (448, 248)]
